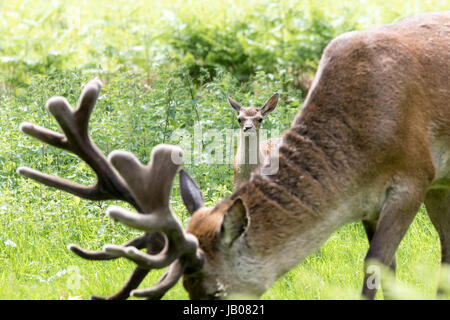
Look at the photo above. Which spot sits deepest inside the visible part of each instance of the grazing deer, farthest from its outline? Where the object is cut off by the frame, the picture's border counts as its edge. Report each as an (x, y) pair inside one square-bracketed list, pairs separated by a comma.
[(371, 143), (251, 154)]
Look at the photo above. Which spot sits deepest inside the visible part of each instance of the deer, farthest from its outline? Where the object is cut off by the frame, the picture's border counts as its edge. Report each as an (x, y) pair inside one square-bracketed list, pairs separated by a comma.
[(371, 144), (251, 153)]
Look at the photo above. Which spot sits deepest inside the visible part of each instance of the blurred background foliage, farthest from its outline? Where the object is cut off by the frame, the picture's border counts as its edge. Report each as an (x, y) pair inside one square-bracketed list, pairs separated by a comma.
[(243, 37)]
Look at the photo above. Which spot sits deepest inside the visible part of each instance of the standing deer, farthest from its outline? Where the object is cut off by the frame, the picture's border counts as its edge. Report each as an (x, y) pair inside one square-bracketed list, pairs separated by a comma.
[(374, 136), (251, 154)]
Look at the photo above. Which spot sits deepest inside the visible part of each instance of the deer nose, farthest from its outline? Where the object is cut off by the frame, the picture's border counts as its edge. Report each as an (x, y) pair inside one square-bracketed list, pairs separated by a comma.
[(247, 128)]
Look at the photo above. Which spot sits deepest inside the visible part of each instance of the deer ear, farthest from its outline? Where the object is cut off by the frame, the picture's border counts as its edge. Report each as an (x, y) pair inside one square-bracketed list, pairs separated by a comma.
[(190, 193), (270, 105), (234, 222), (236, 106)]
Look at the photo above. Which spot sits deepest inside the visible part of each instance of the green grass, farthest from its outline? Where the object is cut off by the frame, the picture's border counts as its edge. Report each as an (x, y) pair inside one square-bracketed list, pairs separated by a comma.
[(166, 65)]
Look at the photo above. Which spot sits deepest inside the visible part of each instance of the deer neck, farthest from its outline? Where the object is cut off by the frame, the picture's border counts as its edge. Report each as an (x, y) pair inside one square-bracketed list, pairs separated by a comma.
[(297, 208), (248, 157), (248, 152)]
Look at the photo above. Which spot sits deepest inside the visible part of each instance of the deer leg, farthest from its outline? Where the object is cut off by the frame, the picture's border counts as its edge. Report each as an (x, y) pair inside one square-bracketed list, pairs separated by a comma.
[(370, 227), (437, 203), (398, 211)]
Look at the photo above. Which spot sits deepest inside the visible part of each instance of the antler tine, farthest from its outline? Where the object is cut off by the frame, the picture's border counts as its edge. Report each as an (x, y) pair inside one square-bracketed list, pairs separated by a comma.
[(74, 124), (86, 104), (133, 282), (178, 242), (167, 281), (139, 242), (48, 136), (151, 186)]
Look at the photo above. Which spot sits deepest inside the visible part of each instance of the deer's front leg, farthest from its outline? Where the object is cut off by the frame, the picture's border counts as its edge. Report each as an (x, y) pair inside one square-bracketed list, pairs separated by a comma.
[(398, 211), (370, 227)]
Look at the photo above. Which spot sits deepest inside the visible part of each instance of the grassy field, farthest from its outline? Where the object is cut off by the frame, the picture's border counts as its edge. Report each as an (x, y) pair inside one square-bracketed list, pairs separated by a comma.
[(166, 66)]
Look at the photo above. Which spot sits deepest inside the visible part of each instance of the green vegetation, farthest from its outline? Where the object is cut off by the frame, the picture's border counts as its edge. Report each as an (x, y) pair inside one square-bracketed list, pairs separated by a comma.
[(165, 65)]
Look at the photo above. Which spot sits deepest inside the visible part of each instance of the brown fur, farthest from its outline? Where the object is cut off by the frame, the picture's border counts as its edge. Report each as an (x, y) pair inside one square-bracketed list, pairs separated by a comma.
[(377, 110)]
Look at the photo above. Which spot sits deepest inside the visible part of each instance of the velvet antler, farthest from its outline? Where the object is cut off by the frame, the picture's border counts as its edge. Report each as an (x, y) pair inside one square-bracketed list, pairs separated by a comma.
[(159, 242)]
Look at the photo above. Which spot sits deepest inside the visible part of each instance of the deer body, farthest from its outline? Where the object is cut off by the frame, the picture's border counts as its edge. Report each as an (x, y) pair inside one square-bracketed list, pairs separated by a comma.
[(374, 136)]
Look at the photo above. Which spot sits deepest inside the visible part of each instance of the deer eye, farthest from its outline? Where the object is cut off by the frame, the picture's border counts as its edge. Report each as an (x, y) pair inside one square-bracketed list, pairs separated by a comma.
[(260, 120), (239, 120)]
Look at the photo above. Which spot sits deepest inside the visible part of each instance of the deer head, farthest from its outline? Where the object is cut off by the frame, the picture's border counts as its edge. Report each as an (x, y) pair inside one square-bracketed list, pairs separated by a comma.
[(217, 230), (250, 118), (247, 239)]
